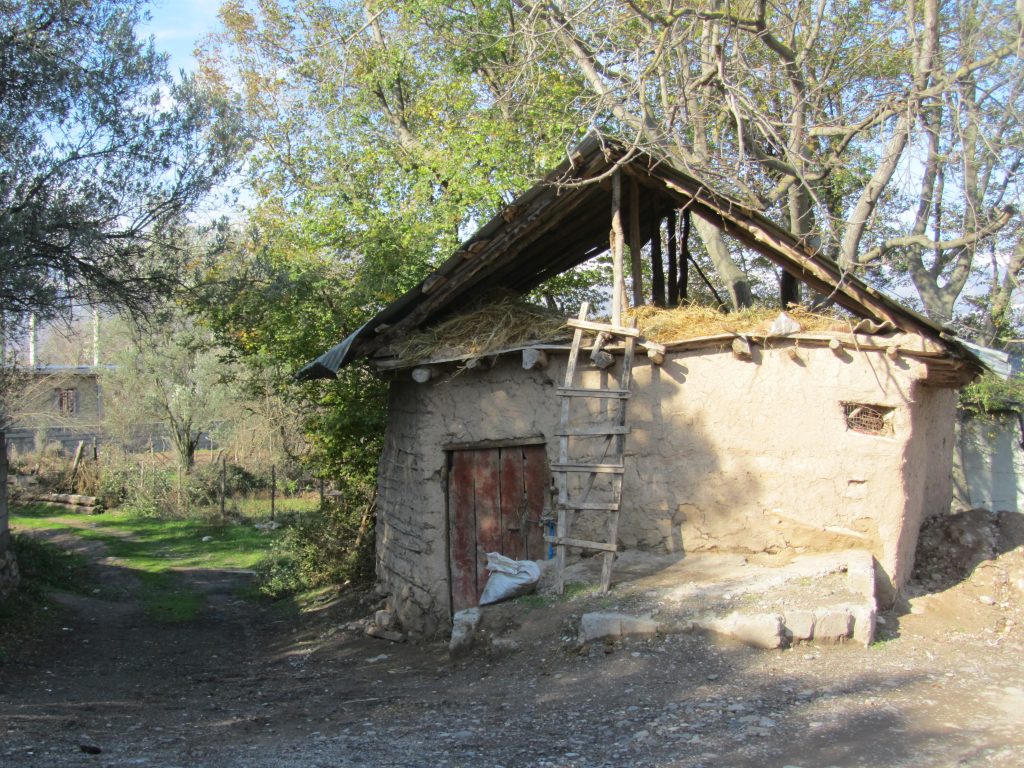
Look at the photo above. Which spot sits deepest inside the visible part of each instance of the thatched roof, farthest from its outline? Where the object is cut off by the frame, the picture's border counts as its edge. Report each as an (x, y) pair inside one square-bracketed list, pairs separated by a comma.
[(564, 220)]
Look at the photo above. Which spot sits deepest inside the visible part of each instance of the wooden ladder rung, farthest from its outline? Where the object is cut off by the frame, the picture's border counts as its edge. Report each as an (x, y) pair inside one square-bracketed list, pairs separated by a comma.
[(591, 506), (615, 330), (620, 394), (565, 541), (591, 431), (609, 469)]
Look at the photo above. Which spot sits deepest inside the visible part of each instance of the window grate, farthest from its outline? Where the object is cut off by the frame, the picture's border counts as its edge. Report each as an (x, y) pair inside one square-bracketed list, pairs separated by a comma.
[(869, 419)]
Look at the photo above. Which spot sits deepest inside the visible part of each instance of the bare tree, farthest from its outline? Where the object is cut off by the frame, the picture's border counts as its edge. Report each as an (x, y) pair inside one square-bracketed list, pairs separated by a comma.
[(888, 135)]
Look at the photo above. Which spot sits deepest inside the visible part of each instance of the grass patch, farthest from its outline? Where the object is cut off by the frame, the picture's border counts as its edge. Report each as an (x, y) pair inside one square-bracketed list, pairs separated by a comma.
[(571, 591), (152, 547), (167, 600)]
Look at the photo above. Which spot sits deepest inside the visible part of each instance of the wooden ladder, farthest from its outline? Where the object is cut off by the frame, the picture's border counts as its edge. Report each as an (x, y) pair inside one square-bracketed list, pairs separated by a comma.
[(608, 470)]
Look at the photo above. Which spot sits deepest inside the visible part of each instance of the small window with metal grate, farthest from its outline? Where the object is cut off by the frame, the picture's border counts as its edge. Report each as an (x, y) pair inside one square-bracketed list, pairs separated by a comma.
[(869, 419)]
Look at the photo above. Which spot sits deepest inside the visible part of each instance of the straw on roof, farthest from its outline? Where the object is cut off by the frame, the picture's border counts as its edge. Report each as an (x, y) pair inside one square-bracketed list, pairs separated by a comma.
[(508, 323), (502, 323)]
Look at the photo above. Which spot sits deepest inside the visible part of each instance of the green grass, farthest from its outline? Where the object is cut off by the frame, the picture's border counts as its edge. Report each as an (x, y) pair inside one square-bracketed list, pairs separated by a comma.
[(154, 548)]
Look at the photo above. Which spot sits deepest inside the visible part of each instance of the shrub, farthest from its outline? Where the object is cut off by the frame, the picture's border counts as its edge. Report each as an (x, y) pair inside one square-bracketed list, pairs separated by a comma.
[(333, 546), (991, 393)]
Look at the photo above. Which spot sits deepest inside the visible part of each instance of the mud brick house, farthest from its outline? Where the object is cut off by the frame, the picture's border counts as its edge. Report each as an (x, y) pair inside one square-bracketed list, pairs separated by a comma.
[(775, 441)]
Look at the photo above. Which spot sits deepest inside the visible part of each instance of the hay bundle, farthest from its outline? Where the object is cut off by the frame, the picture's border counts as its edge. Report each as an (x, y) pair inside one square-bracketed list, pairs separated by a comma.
[(498, 324), (693, 321)]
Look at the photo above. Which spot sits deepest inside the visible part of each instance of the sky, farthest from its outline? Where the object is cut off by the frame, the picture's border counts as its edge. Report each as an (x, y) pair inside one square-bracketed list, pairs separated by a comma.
[(177, 25)]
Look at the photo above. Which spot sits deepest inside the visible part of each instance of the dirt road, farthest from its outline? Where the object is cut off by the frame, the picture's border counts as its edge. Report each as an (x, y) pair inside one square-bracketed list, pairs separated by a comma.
[(245, 686)]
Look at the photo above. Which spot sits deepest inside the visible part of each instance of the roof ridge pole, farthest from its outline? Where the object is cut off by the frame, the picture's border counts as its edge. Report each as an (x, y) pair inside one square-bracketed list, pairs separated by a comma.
[(635, 243), (618, 242)]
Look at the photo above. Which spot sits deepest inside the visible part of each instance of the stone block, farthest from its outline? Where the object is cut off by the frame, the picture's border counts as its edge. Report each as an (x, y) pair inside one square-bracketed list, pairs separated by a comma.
[(384, 619), (860, 574), (799, 625), (864, 622), (606, 625), (833, 626), (464, 626), (759, 630)]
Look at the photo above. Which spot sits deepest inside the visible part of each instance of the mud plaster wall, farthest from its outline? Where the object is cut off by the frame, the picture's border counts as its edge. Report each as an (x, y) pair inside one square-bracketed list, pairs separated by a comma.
[(724, 454)]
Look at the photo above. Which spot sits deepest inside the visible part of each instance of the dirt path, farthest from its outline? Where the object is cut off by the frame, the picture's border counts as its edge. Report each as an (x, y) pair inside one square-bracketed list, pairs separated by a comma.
[(241, 686)]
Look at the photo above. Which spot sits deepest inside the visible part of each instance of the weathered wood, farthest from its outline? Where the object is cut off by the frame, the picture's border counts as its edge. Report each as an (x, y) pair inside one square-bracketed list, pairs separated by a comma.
[(512, 502), (535, 359), (836, 346), (618, 330), (635, 245), (599, 430), (741, 348), (673, 265), (535, 478), (593, 506), (618, 241), (600, 469), (565, 541), (422, 374), (433, 282), (565, 516), (588, 392), (482, 445), (487, 508), (655, 351), (657, 266), (79, 452), (462, 530)]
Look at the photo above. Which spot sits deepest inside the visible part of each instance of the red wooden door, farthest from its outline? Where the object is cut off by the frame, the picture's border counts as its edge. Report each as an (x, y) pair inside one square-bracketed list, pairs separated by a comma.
[(495, 502)]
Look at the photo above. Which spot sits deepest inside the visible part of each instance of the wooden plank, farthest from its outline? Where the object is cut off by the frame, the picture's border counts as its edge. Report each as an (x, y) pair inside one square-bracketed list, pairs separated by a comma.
[(593, 506), (535, 481), (462, 531), (565, 541), (513, 503), (488, 512), (635, 243), (598, 430), (618, 242), (589, 325), (564, 515), (601, 469), (481, 445), (616, 394)]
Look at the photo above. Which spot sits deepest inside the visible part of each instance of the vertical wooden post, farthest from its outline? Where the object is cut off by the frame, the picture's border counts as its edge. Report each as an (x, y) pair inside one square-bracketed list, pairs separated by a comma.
[(5, 534), (673, 263), (223, 482), (321, 493), (657, 266), (635, 243), (618, 241), (684, 258), (273, 490)]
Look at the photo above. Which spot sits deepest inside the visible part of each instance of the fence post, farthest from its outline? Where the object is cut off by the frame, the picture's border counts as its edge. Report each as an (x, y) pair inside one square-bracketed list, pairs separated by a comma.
[(223, 482), (273, 489)]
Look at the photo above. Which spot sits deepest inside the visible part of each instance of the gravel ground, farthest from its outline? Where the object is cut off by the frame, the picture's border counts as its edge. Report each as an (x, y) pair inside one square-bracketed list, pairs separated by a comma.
[(244, 685)]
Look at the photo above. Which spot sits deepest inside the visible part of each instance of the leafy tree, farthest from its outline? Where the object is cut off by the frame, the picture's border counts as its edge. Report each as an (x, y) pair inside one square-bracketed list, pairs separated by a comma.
[(377, 142), (169, 371), (101, 154)]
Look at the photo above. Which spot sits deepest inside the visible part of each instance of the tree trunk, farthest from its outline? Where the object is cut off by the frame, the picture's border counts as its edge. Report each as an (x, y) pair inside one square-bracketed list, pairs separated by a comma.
[(735, 281)]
